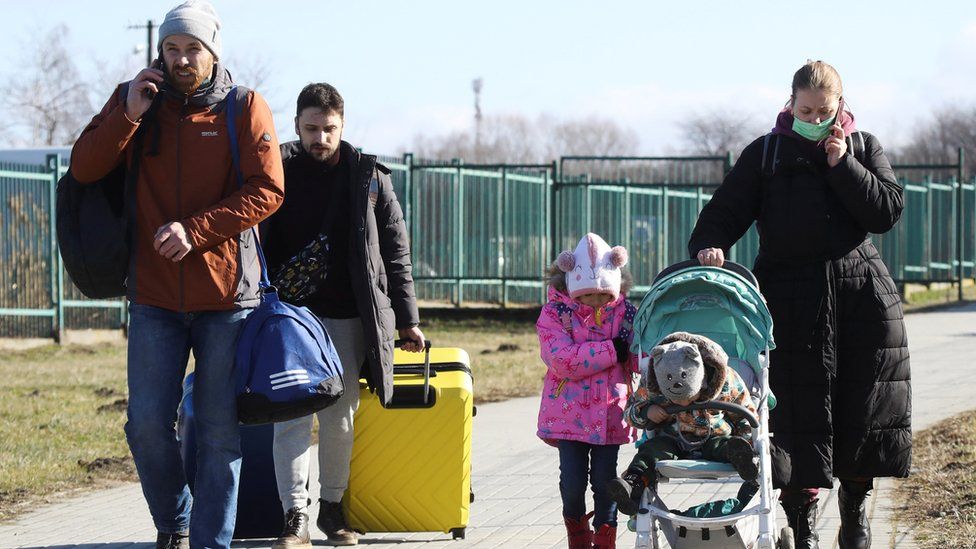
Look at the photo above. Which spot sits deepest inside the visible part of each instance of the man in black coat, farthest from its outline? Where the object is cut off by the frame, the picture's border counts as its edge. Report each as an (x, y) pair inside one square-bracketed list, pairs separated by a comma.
[(335, 194)]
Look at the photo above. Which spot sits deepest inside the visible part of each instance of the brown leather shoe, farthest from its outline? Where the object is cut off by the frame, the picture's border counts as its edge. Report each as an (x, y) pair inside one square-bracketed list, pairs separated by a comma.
[(173, 541), (333, 524), (295, 533)]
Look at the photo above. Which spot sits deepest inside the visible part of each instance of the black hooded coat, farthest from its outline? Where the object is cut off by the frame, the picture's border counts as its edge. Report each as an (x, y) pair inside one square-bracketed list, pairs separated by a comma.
[(841, 367)]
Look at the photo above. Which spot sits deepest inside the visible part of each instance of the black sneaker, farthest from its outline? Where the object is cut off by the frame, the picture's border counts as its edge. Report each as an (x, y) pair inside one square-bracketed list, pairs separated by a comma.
[(173, 541), (740, 455), (332, 523), (295, 533), (627, 491)]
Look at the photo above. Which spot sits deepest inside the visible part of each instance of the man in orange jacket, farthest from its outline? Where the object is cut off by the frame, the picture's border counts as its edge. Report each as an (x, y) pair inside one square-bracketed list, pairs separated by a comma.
[(193, 272)]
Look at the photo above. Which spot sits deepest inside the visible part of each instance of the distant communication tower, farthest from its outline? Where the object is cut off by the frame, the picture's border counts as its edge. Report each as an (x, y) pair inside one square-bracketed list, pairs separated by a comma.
[(476, 85)]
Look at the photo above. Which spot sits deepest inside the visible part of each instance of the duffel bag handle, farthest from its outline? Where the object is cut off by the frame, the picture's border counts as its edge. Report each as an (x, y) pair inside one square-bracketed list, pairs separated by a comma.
[(400, 343)]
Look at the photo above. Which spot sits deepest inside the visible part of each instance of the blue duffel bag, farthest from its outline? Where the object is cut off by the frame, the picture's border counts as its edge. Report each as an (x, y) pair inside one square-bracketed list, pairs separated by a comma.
[(286, 364)]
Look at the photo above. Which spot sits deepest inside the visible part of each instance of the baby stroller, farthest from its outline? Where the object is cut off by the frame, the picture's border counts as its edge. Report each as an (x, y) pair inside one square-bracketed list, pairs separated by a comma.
[(723, 304)]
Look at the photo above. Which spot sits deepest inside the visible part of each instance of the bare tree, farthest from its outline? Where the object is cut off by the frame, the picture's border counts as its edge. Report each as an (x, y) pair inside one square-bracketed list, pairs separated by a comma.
[(47, 102), (592, 136), (257, 71), (716, 132), (938, 140), (254, 71), (517, 139)]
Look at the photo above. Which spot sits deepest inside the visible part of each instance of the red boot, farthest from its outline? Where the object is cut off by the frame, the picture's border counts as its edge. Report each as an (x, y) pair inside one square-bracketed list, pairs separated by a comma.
[(578, 532), (605, 537)]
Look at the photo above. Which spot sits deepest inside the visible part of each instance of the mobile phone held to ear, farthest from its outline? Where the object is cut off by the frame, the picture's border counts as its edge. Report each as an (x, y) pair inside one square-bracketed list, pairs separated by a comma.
[(158, 65)]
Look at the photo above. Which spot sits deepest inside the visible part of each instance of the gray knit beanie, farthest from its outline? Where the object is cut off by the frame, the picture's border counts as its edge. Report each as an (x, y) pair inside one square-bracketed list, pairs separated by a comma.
[(196, 18)]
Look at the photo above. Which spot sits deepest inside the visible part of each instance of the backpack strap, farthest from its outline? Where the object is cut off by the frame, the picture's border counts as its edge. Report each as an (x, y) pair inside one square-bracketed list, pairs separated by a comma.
[(855, 144), (769, 161), (233, 105)]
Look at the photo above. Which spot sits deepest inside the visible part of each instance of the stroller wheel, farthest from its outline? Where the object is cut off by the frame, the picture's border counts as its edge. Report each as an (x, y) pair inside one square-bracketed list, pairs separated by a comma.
[(786, 539)]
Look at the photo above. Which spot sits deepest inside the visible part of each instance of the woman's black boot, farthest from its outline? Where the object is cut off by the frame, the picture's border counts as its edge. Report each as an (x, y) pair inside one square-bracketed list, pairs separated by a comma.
[(801, 515), (855, 531)]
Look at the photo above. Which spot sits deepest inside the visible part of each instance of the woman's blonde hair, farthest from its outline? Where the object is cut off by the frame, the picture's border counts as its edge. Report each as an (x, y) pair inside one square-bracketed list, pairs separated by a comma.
[(817, 75)]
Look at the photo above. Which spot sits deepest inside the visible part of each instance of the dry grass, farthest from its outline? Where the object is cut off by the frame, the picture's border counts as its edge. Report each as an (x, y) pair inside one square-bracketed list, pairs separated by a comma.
[(504, 355), (940, 496), (62, 408), (61, 417), (926, 299)]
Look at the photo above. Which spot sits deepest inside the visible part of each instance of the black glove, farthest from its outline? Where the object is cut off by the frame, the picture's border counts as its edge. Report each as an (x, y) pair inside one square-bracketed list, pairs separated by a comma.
[(622, 346)]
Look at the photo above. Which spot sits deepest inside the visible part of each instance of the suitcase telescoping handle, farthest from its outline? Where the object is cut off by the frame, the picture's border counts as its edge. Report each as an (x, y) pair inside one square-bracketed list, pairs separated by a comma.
[(400, 343)]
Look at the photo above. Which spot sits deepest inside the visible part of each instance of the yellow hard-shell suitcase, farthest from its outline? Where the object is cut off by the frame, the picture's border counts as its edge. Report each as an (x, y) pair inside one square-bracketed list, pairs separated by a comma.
[(411, 461)]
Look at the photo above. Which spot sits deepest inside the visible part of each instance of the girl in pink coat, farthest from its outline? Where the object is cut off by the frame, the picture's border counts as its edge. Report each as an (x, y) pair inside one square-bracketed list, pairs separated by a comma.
[(584, 336)]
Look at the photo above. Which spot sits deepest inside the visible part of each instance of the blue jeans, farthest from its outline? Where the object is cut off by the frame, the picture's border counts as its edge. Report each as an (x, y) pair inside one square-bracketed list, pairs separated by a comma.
[(579, 461), (160, 342)]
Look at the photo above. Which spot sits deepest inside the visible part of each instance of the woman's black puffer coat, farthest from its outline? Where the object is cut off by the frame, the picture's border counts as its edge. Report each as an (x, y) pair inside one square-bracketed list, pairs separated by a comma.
[(840, 369)]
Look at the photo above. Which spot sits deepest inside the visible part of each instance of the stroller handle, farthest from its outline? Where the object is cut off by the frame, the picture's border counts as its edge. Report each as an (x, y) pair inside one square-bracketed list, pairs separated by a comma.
[(717, 405), (728, 265)]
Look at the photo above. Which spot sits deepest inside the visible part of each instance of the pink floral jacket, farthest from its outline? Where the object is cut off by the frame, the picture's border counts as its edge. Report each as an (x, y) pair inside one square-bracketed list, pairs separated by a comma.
[(586, 388)]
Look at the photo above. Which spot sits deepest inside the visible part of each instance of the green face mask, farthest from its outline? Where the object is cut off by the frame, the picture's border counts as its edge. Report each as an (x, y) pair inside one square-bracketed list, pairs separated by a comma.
[(813, 132)]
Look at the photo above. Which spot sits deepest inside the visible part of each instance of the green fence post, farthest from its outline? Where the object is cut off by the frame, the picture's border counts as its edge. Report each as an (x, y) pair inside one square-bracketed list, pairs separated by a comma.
[(959, 223), (729, 162), (588, 211), (664, 234), (408, 193), (502, 234), (459, 227), (554, 217), (549, 193), (927, 251), (627, 226), (57, 279)]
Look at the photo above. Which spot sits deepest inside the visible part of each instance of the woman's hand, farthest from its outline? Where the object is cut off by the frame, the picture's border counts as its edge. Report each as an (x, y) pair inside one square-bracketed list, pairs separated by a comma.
[(836, 145), (711, 257)]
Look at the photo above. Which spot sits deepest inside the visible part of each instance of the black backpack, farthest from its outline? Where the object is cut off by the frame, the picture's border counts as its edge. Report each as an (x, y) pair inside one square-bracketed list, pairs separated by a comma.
[(770, 158), (93, 228)]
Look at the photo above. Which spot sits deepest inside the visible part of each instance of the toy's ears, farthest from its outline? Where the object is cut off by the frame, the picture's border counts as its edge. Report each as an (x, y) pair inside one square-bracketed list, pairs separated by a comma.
[(566, 261), (692, 351), (618, 256), (656, 353)]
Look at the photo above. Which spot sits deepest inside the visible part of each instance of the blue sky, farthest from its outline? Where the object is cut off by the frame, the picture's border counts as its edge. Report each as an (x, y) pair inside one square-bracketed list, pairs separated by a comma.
[(406, 67)]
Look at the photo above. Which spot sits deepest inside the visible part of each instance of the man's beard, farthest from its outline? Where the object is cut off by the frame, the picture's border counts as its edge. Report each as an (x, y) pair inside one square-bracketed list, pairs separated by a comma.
[(319, 152), (191, 83)]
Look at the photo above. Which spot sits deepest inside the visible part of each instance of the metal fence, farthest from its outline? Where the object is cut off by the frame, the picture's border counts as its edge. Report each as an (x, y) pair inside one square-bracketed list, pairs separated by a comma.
[(484, 234), (37, 298)]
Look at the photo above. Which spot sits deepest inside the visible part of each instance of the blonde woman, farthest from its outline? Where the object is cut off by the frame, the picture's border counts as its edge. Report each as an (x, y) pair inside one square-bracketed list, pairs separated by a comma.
[(817, 187)]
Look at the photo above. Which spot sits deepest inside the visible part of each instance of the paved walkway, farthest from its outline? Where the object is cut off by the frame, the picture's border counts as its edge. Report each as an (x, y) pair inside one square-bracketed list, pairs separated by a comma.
[(515, 475)]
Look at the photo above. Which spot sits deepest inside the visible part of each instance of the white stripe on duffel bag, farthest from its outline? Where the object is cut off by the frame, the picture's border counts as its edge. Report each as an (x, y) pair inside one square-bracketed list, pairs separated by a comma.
[(287, 373), (290, 384)]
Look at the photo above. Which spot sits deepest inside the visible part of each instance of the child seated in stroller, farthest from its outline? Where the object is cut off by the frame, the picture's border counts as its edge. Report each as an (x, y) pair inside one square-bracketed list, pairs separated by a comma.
[(685, 368)]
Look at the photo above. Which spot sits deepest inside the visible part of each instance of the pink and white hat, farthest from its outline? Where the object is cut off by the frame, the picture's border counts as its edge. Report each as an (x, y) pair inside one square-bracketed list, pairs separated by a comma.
[(593, 268)]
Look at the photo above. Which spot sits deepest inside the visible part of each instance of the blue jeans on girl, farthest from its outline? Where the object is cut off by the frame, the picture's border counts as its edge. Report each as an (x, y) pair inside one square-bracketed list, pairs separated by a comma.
[(580, 462)]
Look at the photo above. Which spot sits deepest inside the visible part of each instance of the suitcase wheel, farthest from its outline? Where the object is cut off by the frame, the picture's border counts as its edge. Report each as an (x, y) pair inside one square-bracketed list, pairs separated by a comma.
[(472, 498), (457, 533)]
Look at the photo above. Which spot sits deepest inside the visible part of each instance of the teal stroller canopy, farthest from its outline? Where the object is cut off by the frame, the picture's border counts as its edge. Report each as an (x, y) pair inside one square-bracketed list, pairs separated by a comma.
[(710, 301)]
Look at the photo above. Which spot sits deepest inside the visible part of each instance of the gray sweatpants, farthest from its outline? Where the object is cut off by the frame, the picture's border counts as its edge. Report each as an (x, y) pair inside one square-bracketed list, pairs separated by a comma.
[(293, 438)]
